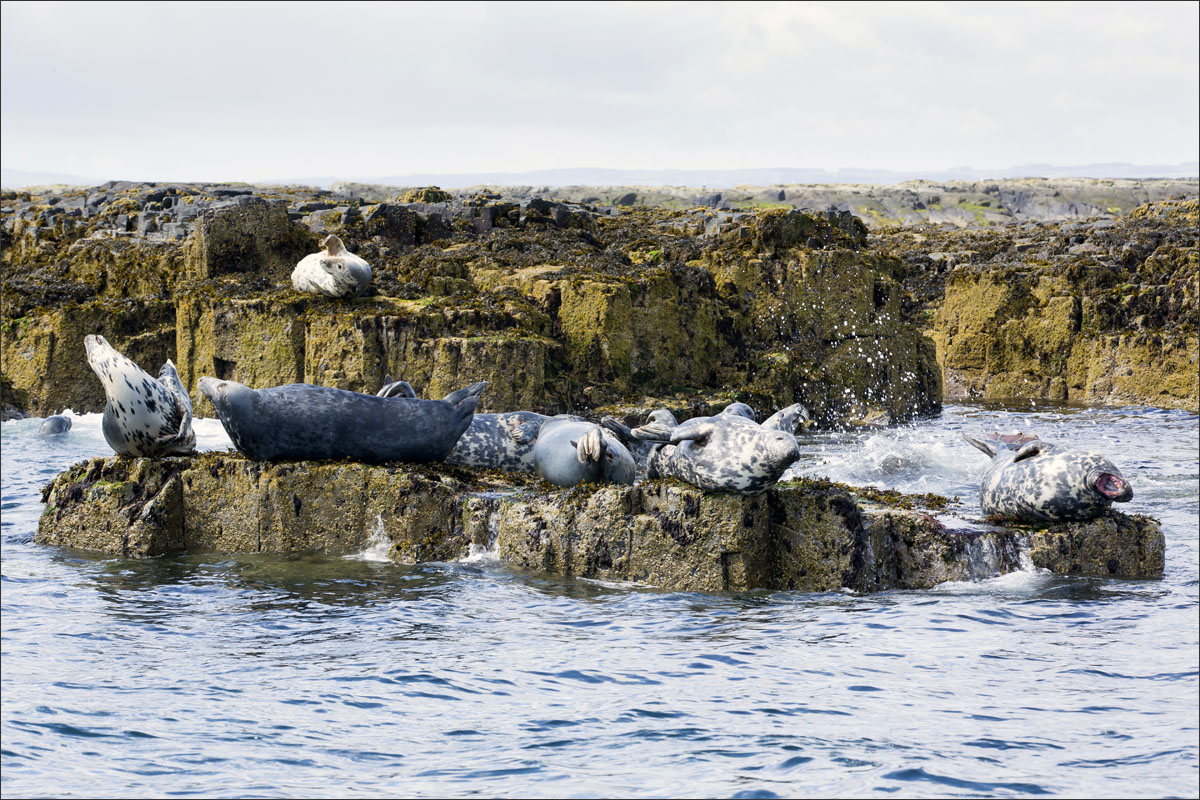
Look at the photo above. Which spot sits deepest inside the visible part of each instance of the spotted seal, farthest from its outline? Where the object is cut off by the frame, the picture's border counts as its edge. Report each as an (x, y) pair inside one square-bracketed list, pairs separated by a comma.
[(335, 271), (500, 441), (570, 450), (302, 421), (727, 452), (55, 425), (1035, 481), (142, 416)]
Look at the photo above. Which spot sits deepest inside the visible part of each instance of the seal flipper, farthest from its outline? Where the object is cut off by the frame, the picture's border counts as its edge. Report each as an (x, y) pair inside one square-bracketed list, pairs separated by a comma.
[(985, 446), (591, 446), (182, 438), (527, 432), (1028, 450), (472, 391), (396, 389), (699, 430), (618, 429), (168, 376)]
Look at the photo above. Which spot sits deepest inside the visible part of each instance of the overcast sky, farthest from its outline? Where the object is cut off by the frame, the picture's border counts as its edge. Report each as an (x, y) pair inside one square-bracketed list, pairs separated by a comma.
[(241, 91)]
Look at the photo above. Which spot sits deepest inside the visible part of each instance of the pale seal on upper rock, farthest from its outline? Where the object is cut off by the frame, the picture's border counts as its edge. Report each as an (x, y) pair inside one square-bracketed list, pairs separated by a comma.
[(569, 451), (1035, 481), (727, 452), (335, 271), (55, 425), (302, 421), (142, 416)]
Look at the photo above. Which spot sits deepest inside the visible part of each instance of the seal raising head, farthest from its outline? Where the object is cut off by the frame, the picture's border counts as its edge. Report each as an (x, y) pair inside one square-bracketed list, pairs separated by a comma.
[(1035, 481), (143, 416)]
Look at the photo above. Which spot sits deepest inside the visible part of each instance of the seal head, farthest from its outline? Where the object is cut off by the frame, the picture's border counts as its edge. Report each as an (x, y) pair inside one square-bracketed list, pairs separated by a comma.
[(55, 425)]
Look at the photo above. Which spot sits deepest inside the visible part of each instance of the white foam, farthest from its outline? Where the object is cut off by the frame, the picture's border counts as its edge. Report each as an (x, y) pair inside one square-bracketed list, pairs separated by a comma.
[(478, 554), (379, 544)]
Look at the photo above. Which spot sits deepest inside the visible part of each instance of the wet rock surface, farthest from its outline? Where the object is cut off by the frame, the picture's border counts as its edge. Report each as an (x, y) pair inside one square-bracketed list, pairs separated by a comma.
[(809, 535)]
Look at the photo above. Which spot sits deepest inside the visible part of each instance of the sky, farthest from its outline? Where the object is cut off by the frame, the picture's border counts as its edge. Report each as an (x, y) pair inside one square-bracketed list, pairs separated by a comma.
[(246, 91)]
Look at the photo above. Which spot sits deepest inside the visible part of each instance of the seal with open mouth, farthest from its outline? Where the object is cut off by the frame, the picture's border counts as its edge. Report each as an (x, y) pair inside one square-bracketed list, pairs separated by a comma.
[(1035, 481)]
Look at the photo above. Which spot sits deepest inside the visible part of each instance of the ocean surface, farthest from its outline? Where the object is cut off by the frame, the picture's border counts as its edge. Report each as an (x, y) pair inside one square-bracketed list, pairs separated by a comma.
[(298, 676)]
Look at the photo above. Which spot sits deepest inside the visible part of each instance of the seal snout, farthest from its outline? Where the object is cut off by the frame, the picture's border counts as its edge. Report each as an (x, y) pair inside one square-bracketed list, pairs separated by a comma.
[(1114, 487), (785, 448), (94, 342), (211, 388)]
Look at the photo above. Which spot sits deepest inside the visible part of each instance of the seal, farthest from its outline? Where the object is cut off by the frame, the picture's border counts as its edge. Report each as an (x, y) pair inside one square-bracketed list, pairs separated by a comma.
[(500, 441), (570, 450), (335, 271), (727, 453), (789, 420), (142, 416), (55, 425), (1035, 481), (302, 421), (740, 410)]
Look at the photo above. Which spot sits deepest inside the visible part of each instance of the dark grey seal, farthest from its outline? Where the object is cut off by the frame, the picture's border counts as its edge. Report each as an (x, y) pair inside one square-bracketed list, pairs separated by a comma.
[(55, 426), (302, 421), (569, 451), (727, 453), (1035, 481), (142, 416)]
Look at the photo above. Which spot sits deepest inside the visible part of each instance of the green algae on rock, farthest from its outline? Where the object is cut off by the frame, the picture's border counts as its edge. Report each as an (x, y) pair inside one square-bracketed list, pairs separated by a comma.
[(808, 535)]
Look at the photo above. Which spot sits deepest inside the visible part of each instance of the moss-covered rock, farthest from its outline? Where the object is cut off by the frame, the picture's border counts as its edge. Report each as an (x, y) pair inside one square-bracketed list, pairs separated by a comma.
[(807, 535), (1098, 311), (43, 359)]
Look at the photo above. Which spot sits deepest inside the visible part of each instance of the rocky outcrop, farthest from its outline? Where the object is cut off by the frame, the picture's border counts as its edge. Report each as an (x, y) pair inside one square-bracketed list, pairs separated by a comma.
[(560, 306), (1097, 312), (806, 535)]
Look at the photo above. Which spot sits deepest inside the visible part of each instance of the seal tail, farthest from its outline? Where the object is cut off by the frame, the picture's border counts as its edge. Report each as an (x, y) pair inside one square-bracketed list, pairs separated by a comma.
[(983, 445), (623, 433), (463, 396), (396, 389)]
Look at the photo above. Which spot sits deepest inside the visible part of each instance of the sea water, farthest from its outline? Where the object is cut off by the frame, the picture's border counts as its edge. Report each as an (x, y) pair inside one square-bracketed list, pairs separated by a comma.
[(288, 676)]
